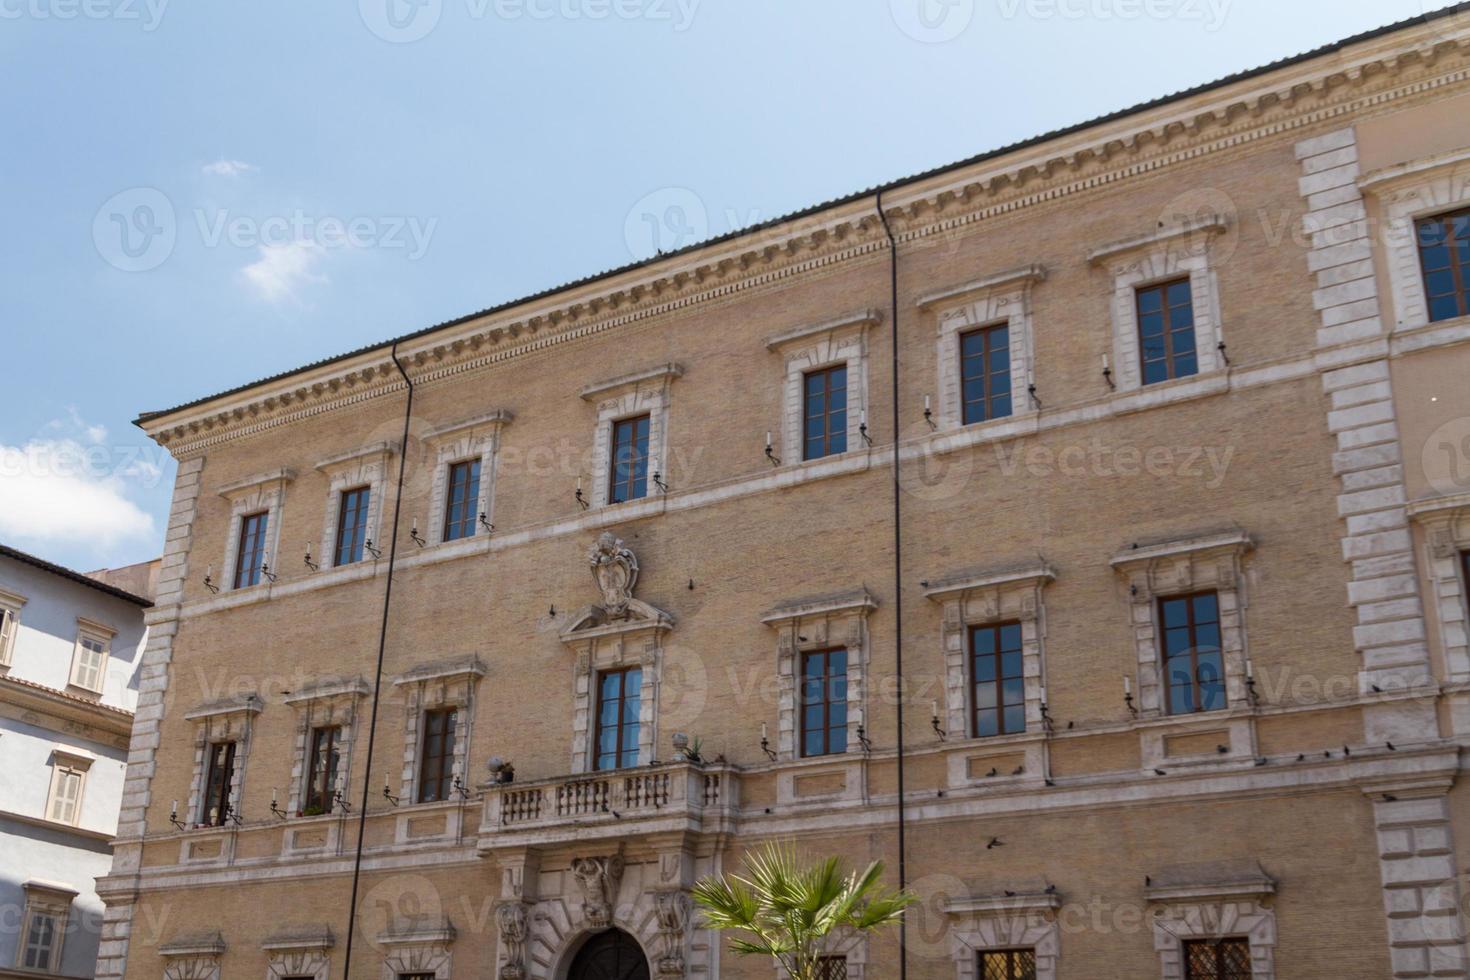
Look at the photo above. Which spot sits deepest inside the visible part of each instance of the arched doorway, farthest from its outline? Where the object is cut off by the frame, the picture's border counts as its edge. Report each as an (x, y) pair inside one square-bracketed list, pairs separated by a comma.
[(612, 955)]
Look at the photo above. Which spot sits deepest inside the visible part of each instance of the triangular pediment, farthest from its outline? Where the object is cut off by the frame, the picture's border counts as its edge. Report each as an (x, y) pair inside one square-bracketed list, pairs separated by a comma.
[(591, 621)]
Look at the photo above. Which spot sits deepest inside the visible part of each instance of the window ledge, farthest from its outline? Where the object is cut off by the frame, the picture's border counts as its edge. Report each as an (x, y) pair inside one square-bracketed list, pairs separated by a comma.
[(1211, 223)]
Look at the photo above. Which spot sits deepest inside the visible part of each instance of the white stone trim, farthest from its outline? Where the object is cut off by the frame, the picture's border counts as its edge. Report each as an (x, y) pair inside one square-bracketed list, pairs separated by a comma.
[(1011, 922), (262, 493), (367, 467), (643, 393), (46, 898), (1173, 253), (422, 950), (1446, 524), (324, 705), (430, 687), (1341, 253), (808, 626), (986, 597), (461, 442), (1212, 562), (1422, 884), (1407, 193), (306, 955), (843, 340), (101, 635), (1001, 299), (1174, 922), (194, 958)]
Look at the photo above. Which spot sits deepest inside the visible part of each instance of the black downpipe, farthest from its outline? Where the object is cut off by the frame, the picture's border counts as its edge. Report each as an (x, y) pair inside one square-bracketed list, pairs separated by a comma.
[(903, 875), (367, 774)]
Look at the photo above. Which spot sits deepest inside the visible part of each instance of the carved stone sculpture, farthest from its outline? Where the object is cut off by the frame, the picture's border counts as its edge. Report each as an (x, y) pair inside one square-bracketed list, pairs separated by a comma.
[(615, 569), (599, 878), (511, 918), (672, 911)]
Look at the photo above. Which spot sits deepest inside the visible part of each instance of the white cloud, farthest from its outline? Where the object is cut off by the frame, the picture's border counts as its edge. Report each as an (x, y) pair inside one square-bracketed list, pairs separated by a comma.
[(282, 270), (229, 168), (62, 491)]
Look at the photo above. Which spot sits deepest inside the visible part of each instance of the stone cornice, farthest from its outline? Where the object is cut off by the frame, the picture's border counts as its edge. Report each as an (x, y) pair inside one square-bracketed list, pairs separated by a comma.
[(489, 420), (663, 374), (1413, 171), (383, 449), (859, 602), (238, 488), (1024, 276), (1366, 77), (1236, 541), (1209, 224), (860, 318), (1035, 573), (65, 707), (1003, 904)]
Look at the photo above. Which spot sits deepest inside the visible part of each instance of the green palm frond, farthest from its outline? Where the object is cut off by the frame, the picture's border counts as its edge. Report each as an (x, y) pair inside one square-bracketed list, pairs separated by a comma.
[(787, 910)]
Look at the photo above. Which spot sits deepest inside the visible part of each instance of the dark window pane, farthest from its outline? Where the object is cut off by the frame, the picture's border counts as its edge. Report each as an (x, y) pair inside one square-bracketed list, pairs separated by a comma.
[(1193, 662), (985, 379), (1444, 257), (251, 550), (352, 519), (620, 700), (825, 410), (824, 702), (462, 500), (628, 477), (1166, 331), (996, 668)]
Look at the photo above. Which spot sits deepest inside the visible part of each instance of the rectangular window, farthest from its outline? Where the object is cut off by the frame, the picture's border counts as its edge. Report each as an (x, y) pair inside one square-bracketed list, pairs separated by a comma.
[(89, 662), (999, 701), (41, 935), (9, 624), (1217, 959), (832, 968), (1193, 665), (824, 703), (1166, 331), (824, 413), (628, 477), (1008, 964), (1444, 255), (66, 795), (219, 777), (985, 373), (461, 502), (321, 770), (352, 525), (619, 703), (252, 550), (436, 757)]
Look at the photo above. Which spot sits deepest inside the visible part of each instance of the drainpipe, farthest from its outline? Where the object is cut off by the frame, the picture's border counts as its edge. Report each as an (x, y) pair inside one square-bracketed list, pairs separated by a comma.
[(903, 946), (367, 777)]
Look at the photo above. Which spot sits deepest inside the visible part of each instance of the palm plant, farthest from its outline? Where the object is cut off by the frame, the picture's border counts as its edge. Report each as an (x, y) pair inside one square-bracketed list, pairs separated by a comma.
[(788, 911)]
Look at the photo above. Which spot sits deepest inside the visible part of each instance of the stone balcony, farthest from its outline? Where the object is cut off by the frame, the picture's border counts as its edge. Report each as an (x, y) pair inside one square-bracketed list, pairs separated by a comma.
[(676, 797)]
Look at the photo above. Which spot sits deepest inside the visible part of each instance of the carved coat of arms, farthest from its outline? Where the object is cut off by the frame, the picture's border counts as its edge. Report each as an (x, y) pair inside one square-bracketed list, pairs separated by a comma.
[(615, 569)]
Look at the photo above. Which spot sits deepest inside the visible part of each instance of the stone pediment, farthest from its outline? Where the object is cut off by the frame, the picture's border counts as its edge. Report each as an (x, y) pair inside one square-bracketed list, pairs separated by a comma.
[(591, 621)]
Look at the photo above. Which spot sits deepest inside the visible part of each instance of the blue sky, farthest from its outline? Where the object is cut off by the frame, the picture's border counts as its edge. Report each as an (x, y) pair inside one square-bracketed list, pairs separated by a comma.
[(201, 194)]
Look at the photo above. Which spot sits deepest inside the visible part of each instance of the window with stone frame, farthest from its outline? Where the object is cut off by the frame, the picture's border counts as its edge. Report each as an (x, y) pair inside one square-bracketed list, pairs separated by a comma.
[(329, 705), (257, 500), (984, 342), (222, 736), (43, 926), (817, 625), (993, 631), (90, 656), (299, 953), (1165, 305), (633, 408), (1217, 959), (68, 780), (1445, 524), (1424, 206), (323, 769), (1187, 602), (832, 968), (464, 456), (439, 712), (10, 606), (619, 708), (357, 482), (1007, 964), (825, 393)]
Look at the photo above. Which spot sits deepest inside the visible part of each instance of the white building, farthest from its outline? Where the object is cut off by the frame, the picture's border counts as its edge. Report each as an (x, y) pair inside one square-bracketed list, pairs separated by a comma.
[(70, 651)]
